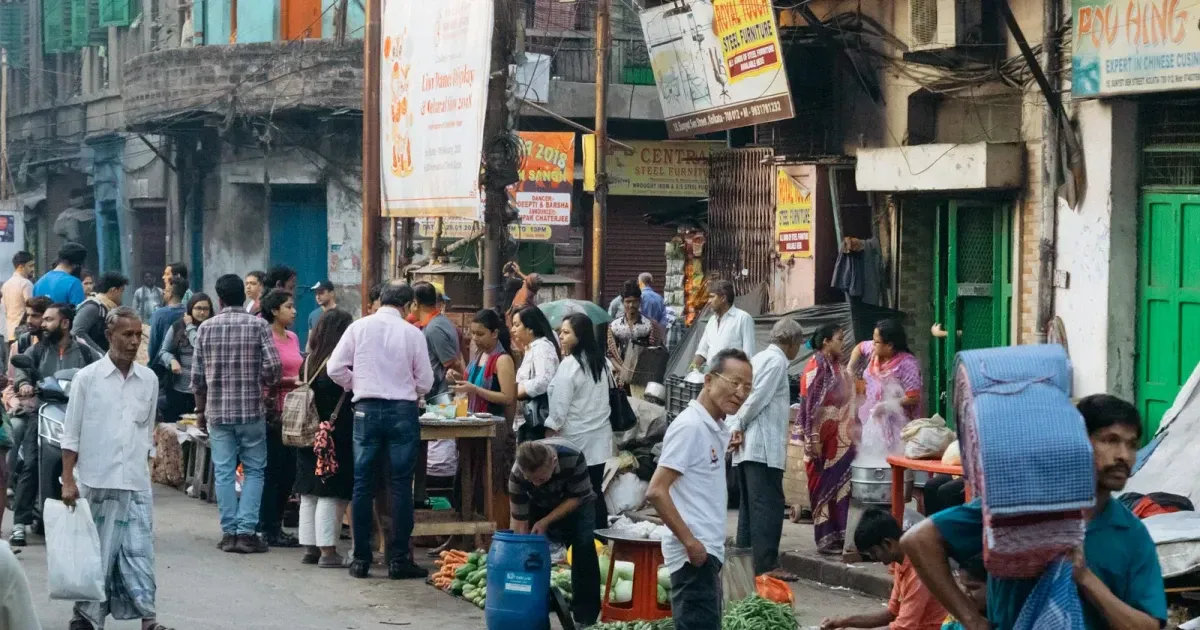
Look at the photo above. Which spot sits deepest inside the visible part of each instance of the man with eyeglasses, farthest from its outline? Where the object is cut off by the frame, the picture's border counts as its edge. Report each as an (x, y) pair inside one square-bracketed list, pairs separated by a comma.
[(688, 491)]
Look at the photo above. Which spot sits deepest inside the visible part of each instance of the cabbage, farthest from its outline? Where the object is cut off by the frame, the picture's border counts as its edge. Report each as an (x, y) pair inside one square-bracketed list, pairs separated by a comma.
[(604, 568), (622, 592), (663, 595), (664, 577), (623, 571)]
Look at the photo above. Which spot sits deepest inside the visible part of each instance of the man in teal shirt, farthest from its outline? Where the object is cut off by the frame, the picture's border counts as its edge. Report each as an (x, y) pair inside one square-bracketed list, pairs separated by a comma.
[(1118, 576)]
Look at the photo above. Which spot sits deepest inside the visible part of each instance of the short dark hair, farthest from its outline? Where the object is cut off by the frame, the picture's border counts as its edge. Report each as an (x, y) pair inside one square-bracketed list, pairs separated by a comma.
[(230, 290), (278, 276), (20, 258), (425, 293), (974, 568), (630, 290), (1100, 411), (261, 276), (179, 269), (179, 287), (892, 331), (821, 335), (73, 254), (874, 528), (38, 304), (273, 301), (375, 292), (723, 357), (65, 311), (397, 295), (110, 280), (723, 287)]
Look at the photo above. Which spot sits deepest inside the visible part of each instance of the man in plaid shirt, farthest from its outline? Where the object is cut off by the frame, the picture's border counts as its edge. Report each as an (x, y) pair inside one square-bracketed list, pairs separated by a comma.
[(234, 359)]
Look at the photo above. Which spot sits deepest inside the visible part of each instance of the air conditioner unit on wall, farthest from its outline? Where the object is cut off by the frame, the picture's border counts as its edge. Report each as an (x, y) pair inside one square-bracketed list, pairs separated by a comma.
[(944, 24)]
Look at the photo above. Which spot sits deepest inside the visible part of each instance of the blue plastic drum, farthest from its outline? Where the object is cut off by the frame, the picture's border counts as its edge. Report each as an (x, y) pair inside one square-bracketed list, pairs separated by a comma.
[(518, 582)]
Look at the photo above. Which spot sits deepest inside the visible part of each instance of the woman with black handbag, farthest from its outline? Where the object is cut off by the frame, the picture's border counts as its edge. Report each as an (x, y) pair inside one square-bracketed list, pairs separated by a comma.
[(531, 332), (579, 401)]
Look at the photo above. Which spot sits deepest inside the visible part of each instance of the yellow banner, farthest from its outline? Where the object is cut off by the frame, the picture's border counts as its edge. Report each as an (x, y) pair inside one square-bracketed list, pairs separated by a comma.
[(652, 168), (793, 212), (530, 231), (749, 41)]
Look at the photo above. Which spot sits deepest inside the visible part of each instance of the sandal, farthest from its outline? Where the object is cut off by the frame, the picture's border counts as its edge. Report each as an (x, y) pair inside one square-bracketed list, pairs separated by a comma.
[(786, 576), (157, 626)]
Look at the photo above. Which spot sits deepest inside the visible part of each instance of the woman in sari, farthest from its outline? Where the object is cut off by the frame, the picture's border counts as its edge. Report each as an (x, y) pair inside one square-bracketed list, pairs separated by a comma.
[(629, 334), (892, 375), (824, 427)]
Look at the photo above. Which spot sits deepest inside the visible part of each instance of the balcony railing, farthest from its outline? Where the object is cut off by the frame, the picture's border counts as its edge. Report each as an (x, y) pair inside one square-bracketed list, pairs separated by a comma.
[(564, 31)]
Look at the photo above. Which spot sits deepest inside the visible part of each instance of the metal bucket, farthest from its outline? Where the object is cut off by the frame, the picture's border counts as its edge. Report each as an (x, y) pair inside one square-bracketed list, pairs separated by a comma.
[(871, 485)]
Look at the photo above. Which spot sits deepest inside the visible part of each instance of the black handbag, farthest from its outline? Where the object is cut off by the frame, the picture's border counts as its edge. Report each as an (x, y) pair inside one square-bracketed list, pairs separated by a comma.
[(621, 414), (536, 410)]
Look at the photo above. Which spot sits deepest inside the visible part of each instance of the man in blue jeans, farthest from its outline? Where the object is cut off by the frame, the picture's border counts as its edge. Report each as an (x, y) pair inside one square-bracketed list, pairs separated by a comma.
[(384, 360), (235, 358)]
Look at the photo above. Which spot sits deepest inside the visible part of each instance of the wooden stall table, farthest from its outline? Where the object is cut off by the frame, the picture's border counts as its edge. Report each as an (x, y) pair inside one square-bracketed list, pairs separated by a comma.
[(474, 459), (901, 464)]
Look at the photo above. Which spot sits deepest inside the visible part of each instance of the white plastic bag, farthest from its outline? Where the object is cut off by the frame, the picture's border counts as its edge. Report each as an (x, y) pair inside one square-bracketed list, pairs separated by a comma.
[(926, 438), (626, 492), (75, 568)]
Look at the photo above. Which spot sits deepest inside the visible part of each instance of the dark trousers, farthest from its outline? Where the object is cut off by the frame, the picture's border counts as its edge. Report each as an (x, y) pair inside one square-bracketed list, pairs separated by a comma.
[(760, 513), (696, 596), (530, 433), (597, 475), (384, 429), (943, 491), (26, 490), (177, 403), (576, 531), (278, 479)]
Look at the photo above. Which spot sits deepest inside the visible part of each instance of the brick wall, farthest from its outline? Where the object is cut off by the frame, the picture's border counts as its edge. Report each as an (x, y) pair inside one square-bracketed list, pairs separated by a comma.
[(1029, 203), (249, 78), (918, 220)]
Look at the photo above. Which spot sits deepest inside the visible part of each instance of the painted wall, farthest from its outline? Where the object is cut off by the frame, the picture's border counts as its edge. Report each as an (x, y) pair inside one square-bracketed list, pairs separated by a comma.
[(257, 21), (355, 19), (217, 22), (344, 209), (1097, 245)]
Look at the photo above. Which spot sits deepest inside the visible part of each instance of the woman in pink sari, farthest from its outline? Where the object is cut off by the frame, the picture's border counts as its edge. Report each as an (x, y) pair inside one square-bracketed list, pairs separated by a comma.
[(825, 427), (890, 366)]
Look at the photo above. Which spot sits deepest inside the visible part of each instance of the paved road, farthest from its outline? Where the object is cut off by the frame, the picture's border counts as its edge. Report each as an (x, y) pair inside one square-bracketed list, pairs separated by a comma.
[(200, 588)]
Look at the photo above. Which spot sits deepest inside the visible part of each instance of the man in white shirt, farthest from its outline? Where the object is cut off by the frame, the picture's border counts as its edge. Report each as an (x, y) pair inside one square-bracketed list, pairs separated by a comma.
[(16, 291), (759, 442), (729, 328), (384, 360), (688, 491), (16, 602), (107, 444)]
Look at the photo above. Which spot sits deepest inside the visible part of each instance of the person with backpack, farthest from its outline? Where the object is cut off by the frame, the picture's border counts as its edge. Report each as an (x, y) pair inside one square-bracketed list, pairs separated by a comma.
[(57, 350), (89, 324)]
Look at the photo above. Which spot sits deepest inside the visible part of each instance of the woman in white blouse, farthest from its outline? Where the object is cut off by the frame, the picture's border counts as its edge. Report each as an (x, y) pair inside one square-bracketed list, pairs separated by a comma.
[(531, 332), (579, 410)]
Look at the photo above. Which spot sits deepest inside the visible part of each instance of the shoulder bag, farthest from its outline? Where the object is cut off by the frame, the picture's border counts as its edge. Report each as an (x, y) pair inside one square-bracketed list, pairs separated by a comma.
[(299, 416), (621, 414), (323, 446)]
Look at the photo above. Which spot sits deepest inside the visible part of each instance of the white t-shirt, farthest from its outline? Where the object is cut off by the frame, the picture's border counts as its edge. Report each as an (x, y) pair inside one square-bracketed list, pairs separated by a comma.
[(695, 447)]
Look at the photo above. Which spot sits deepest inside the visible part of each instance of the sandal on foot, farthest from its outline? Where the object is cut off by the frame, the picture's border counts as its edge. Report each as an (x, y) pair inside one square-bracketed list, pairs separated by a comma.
[(157, 626), (786, 576)]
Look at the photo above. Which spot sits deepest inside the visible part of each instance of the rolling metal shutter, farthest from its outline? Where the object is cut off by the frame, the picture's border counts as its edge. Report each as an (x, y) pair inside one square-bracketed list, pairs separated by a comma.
[(632, 246)]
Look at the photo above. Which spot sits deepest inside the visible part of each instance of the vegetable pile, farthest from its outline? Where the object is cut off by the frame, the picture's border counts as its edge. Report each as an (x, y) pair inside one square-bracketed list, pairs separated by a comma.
[(464, 575), (752, 613)]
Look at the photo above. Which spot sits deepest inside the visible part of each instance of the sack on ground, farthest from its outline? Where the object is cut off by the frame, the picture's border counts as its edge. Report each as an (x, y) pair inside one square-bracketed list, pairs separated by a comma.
[(926, 438), (75, 567), (626, 492)]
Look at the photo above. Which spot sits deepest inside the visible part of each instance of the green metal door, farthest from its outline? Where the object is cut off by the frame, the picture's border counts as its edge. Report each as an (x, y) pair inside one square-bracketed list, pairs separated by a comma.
[(972, 295), (1168, 300)]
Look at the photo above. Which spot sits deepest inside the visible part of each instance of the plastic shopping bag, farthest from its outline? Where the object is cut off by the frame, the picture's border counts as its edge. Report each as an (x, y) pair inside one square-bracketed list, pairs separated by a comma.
[(75, 568)]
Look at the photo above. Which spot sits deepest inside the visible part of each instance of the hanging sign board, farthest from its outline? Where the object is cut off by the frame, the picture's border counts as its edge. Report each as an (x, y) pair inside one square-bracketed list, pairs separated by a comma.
[(434, 75), (1134, 46), (652, 168), (547, 178), (793, 210)]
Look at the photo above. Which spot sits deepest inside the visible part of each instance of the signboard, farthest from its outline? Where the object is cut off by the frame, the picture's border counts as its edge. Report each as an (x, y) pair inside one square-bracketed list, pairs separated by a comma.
[(434, 78), (717, 64), (793, 211), (547, 178), (651, 169), (1132, 46), (458, 229)]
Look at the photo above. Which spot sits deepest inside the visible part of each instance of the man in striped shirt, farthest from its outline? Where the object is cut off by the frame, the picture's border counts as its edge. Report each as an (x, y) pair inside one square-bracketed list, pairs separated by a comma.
[(550, 488)]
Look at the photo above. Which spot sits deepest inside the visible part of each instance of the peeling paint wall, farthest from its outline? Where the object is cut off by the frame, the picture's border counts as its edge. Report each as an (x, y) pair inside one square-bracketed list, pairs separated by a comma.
[(344, 198)]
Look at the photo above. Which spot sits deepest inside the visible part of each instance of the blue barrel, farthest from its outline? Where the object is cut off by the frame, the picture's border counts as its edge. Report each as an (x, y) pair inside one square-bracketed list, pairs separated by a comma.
[(518, 582)]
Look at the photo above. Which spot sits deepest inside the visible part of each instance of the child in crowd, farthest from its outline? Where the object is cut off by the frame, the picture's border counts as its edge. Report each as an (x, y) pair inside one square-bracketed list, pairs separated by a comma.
[(973, 578), (911, 606)]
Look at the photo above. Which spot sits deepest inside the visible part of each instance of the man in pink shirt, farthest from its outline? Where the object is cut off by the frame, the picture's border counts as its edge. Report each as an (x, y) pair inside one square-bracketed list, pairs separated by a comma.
[(385, 362), (16, 291)]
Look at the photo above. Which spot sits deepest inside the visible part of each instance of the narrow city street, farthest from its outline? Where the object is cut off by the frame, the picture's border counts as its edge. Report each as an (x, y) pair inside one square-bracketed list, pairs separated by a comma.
[(200, 588)]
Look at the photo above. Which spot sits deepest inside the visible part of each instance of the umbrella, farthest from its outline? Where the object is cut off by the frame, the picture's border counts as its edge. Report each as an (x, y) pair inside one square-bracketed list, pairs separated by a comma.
[(558, 310)]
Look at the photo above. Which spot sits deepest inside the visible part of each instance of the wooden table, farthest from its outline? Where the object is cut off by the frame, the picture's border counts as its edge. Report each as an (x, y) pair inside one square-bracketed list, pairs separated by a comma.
[(474, 460), (900, 464)]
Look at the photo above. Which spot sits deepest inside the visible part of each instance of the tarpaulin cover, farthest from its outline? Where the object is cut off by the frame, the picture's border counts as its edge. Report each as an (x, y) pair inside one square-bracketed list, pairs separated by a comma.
[(1173, 465)]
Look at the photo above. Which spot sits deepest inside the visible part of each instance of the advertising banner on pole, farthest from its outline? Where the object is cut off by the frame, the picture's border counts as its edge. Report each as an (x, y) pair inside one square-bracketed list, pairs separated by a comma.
[(718, 65), (793, 210), (547, 178), (436, 60)]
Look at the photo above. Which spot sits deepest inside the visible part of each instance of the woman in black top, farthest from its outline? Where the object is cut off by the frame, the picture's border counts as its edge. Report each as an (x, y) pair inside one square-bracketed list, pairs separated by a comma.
[(325, 495)]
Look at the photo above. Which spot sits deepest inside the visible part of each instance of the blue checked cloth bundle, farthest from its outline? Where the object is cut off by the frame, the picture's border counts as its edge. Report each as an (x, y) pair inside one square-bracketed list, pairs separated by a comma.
[(1025, 448), (1054, 603)]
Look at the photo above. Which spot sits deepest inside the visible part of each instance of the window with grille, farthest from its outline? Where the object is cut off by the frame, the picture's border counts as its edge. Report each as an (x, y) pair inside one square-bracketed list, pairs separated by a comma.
[(1171, 143), (12, 31)]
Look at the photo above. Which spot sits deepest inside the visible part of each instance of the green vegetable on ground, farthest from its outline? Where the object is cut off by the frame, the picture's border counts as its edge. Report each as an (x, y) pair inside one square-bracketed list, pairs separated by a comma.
[(757, 613)]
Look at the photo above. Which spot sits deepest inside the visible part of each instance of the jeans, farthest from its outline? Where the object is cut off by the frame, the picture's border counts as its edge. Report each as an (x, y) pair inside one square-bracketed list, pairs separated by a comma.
[(19, 424), (577, 531), (231, 443), (279, 476), (760, 515), (26, 488), (696, 596), (384, 428)]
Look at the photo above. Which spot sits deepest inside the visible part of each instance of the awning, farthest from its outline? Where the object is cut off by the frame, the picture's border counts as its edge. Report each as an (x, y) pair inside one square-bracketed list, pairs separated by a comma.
[(69, 222)]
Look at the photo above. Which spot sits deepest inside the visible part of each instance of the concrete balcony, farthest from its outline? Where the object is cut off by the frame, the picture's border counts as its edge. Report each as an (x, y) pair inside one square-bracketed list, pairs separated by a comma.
[(243, 79)]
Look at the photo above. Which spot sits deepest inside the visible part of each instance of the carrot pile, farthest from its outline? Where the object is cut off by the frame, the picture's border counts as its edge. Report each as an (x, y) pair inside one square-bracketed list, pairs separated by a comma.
[(450, 561)]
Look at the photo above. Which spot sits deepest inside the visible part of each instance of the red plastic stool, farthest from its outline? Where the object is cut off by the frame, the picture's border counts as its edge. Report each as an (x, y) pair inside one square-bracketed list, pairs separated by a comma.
[(646, 556)]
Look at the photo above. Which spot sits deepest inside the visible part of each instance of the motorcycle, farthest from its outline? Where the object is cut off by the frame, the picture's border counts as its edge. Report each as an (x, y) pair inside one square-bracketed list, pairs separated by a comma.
[(54, 393)]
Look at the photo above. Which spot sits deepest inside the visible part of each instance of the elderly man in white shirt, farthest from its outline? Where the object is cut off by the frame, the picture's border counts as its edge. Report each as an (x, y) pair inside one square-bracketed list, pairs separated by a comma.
[(759, 439), (730, 328), (107, 444)]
